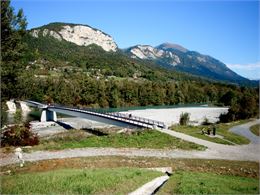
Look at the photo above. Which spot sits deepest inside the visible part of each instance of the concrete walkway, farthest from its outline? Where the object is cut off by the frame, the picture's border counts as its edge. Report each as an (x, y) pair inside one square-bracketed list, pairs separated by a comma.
[(189, 138), (151, 186), (250, 152)]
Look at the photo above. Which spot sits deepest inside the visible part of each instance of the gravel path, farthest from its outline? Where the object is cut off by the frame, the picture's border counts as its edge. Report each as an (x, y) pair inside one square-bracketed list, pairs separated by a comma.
[(248, 152), (244, 131)]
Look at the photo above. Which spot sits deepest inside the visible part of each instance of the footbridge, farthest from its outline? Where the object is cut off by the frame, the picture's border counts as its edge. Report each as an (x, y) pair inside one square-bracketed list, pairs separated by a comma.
[(115, 118)]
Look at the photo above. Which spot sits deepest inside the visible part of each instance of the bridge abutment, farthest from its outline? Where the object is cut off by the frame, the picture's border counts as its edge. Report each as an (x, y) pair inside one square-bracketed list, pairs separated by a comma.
[(48, 115)]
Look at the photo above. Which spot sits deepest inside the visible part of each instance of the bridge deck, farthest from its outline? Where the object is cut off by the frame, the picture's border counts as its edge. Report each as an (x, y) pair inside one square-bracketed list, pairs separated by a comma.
[(114, 116)]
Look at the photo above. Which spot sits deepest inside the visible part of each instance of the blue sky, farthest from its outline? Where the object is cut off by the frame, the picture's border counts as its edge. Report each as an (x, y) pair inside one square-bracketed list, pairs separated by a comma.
[(226, 30)]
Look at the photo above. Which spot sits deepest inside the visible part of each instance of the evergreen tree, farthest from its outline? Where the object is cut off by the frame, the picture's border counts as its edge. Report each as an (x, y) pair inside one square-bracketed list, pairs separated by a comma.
[(13, 28)]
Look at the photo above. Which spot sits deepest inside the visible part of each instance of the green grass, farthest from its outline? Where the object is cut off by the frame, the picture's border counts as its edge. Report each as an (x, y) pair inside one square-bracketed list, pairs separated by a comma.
[(140, 139), (183, 182), (78, 181), (222, 129), (189, 175), (220, 167), (255, 129)]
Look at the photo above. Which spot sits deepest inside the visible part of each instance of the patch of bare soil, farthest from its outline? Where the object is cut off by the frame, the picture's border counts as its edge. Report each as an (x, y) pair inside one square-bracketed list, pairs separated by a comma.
[(221, 167)]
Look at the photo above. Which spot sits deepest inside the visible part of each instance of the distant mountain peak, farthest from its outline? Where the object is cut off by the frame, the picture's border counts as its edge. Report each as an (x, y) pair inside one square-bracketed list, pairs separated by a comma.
[(82, 35), (151, 53), (166, 46), (174, 56)]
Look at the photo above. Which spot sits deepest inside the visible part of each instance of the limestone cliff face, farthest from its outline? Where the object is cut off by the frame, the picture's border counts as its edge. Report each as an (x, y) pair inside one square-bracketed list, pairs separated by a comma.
[(81, 35), (176, 57), (152, 53)]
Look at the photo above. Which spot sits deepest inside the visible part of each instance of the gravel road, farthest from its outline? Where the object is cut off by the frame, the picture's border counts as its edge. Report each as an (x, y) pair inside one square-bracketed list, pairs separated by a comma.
[(244, 131), (250, 152)]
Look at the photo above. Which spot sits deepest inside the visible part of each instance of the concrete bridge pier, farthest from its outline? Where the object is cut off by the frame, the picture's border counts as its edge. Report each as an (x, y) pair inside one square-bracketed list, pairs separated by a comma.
[(48, 115), (11, 106)]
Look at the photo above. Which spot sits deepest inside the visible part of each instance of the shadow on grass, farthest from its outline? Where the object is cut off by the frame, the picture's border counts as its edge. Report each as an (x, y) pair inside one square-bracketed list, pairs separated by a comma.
[(64, 125), (95, 132)]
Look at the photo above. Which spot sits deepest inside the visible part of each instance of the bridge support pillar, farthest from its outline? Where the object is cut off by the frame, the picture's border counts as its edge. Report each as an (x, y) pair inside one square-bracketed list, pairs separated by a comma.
[(48, 115)]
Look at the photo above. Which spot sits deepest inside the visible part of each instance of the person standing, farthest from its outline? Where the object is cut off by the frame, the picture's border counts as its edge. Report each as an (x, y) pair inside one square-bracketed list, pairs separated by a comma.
[(214, 130), (18, 153)]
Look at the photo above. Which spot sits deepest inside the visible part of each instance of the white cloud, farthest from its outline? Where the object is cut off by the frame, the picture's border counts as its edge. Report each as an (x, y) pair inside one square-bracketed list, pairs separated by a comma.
[(251, 71), (245, 66)]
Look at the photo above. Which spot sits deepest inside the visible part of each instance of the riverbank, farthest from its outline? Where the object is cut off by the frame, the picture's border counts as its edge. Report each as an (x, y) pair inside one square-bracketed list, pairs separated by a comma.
[(171, 116)]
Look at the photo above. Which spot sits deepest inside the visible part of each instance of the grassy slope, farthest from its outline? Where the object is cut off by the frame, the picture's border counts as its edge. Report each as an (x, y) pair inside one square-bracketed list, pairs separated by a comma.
[(221, 167), (221, 129), (242, 175), (78, 181), (184, 182), (255, 129), (141, 139)]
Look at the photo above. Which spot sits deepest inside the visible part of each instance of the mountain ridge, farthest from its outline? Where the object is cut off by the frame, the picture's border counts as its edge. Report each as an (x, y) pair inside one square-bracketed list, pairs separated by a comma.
[(187, 61), (171, 56), (82, 35)]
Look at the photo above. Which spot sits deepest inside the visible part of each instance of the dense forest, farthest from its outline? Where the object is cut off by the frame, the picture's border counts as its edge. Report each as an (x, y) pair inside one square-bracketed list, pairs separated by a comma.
[(61, 72)]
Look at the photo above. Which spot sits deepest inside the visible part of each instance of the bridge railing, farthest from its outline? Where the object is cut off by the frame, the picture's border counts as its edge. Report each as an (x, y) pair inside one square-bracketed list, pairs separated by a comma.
[(113, 115), (137, 118)]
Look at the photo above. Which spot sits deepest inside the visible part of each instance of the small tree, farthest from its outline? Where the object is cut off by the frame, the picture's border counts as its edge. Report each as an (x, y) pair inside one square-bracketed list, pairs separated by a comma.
[(18, 135), (18, 116), (206, 121), (184, 118)]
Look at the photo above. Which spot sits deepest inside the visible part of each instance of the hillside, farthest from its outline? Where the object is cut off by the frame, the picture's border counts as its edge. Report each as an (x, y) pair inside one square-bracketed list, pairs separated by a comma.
[(59, 53), (86, 47), (176, 57), (82, 35)]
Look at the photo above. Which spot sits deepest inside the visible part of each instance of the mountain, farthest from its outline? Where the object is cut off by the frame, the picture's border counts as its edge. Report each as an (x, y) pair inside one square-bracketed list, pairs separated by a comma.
[(172, 46), (176, 57), (84, 46), (49, 53), (82, 35)]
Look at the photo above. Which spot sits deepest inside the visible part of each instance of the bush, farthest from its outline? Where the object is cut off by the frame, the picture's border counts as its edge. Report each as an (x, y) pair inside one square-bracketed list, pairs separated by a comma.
[(19, 135), (184, 118), (228, 117), (206, 121)]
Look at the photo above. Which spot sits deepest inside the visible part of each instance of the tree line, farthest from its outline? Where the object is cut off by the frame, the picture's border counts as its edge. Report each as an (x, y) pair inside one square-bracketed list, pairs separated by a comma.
[(80, 90)]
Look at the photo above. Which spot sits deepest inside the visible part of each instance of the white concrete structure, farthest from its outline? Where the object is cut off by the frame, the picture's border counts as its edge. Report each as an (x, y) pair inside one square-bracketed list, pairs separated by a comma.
[(11, 106), (24, 107), (150, 187), (48, 115)]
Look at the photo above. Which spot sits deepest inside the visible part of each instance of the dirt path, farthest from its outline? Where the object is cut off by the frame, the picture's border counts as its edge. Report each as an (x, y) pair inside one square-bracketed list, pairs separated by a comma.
[(248, 152)]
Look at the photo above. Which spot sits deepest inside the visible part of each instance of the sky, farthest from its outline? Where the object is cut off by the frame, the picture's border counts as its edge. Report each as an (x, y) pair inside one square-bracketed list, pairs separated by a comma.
[(225, 30)]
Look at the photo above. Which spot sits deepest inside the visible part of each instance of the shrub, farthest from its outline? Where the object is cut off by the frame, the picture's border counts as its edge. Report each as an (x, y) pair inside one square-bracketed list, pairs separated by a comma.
[(184, 118), (19, 135), (228, 117), (206, 121), (18, 116)]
